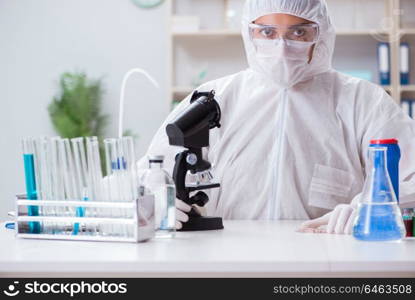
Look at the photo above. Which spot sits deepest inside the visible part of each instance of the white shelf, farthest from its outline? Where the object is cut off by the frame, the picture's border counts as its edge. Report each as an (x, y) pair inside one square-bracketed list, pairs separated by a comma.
[(407, 88), (182, 90), (404, 31)]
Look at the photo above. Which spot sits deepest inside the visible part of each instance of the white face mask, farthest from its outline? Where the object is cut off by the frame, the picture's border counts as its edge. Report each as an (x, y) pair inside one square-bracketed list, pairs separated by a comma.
[(283, 61)]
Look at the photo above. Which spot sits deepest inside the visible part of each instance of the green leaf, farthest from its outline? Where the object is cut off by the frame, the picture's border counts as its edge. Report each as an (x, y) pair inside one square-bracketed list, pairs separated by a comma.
[(76, 111)]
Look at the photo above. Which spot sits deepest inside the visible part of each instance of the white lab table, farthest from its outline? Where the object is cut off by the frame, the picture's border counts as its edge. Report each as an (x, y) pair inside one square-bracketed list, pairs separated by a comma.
[(242, 249)]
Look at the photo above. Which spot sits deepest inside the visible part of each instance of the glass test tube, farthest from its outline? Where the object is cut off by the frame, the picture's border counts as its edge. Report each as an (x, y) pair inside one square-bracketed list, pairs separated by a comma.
[(30, 180)]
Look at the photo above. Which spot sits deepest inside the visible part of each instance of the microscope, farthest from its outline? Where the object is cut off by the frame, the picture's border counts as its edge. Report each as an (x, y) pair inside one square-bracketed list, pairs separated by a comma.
[(190, 130)]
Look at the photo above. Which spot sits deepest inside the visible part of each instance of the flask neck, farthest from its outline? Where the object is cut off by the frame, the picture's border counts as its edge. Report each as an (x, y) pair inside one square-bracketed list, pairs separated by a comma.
[(381, 186), (378, 158)]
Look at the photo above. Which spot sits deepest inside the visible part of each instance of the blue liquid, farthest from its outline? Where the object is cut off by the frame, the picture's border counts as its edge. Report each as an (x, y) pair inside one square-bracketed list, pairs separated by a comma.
[(80, 212), (377, 222), (119, 164), (29, 167)]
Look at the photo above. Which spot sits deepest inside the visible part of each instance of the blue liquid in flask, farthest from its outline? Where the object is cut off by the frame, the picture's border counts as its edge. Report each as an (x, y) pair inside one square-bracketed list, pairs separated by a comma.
[(379, 217)]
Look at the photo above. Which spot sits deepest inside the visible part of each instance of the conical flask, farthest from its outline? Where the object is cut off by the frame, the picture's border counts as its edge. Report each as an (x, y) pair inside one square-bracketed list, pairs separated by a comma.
[(379, 217)]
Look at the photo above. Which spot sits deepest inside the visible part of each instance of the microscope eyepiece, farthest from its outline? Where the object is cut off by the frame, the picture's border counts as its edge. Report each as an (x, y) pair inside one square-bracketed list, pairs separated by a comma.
[(190, 128)]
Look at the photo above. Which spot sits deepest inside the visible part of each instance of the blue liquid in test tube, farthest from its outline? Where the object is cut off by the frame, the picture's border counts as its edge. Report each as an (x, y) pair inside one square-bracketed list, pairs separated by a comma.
[(29, 167)]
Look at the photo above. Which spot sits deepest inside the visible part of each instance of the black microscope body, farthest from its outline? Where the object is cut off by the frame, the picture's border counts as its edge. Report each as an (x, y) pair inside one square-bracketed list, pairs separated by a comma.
[(190, 130)]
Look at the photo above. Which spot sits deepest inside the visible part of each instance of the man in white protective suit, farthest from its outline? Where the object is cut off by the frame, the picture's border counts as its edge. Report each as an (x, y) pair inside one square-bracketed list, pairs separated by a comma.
[(295, 133)]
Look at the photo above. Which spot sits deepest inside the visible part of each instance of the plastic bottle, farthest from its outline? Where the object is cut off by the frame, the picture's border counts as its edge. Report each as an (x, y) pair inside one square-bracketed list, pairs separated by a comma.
[(158, 182)]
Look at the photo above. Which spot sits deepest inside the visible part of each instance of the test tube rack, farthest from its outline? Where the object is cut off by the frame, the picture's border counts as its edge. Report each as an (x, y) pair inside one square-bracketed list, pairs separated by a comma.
[(131, 224)]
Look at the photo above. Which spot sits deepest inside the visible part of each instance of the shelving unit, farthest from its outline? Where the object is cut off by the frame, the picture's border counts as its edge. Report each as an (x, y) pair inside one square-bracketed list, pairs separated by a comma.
[(222, 48), (403, 33)]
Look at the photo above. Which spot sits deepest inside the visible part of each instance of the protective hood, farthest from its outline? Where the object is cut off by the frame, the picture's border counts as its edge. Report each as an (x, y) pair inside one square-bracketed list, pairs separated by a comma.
[(312, 10)]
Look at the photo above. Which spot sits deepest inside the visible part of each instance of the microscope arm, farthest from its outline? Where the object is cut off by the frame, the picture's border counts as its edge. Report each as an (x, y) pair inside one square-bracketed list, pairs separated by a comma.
[(182, 191), (179, 177)]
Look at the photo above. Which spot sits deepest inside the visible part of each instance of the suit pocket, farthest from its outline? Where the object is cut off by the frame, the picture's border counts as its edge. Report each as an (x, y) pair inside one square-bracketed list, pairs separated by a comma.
[(329, 187)]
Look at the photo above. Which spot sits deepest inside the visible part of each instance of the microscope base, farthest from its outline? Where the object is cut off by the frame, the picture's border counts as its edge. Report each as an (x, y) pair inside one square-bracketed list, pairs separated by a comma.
[(202, 223)]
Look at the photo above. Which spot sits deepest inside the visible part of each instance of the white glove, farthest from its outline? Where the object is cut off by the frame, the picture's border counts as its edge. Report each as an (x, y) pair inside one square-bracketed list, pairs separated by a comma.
[(342, 219), (338, 221), (181, 213), (318, 225), (182, 209)]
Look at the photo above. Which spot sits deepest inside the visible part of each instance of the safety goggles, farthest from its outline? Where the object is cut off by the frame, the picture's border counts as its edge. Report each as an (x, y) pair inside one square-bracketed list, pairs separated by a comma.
[(301, 33)]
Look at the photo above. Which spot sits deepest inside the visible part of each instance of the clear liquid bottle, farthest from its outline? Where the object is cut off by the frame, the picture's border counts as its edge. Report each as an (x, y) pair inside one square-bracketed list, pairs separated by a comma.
[(379, 217), (158, 182)]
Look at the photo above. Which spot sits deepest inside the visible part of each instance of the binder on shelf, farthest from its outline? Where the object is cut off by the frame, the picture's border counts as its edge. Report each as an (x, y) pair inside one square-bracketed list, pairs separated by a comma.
[(384, 63), (404, 63), (407, 106)]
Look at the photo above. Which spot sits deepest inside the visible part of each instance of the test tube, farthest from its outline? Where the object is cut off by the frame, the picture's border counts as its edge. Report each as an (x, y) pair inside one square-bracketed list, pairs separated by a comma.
[(126, 189), (49, 181), (121, 170), (79, 182), (90, 169), (110, 184), (43, 183), (112, 166), (66, 171), (117, 168), (57, 179), (84, 180), (58, 188), (128, 144), (95, 172), (36, 159), (73, 183), (41, 150), (118, 179), (30, 179), (97, 167)]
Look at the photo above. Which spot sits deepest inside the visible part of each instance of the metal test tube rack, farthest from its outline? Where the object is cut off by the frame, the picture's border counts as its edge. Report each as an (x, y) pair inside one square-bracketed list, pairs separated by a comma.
[(141, 227)]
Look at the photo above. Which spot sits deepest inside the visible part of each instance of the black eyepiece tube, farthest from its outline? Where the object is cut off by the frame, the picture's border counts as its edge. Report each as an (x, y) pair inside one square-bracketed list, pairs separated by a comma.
[(190, 128)]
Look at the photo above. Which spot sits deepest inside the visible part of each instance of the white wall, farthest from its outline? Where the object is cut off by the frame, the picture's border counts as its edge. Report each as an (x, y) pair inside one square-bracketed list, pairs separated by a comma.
[(40, 39)]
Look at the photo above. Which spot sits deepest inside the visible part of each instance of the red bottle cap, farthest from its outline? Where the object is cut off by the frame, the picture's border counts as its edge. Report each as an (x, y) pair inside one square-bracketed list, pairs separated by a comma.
[(384, 142)]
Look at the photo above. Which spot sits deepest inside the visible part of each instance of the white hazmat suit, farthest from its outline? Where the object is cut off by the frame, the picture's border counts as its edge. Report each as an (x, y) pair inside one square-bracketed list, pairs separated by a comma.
[(294, 151)]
